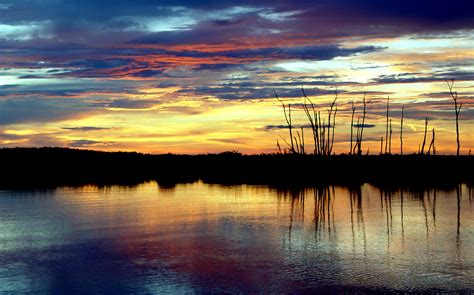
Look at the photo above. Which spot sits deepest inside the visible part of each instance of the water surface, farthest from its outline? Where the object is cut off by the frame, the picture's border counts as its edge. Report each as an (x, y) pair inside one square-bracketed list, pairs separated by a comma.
[(209, 238)]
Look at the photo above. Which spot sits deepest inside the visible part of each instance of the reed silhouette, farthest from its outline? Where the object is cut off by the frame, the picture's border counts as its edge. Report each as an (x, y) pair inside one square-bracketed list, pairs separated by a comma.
[(324, 131)]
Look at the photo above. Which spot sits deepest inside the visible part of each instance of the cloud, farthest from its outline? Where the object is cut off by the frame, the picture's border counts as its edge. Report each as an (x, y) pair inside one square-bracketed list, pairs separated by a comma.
[(102, 23), (217, 67), (71, 63), (63, 60), (254, 90), (88, 143), (424, 77), (295, 126), (228, 140), (35, 109), (86, 128), (29, 140), (126, 103), (363, 125), (299, 52)]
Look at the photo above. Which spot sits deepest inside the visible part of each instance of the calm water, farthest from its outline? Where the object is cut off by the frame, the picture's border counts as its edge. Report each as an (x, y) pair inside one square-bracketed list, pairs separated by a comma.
[(203, 238)]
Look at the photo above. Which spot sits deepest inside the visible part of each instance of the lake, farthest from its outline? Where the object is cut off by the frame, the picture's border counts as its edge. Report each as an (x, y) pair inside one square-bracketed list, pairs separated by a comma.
[(204, 238)]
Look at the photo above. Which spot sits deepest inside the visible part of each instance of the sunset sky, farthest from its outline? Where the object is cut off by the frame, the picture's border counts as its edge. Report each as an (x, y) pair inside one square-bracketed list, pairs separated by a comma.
[(199, 76)]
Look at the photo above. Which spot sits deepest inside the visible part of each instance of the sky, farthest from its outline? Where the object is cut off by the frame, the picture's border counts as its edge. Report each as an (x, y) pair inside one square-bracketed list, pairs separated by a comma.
[(201, 76)]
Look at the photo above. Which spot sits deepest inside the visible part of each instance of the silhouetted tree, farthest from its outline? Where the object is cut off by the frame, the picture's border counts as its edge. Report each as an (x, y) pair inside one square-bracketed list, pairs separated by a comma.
[(386, 125), (457, 110), (381, 145), (432, 144), (422, 151), (364, 113), (352, 124), (291, 145), (323, 133), (401, 132), (390, 139)]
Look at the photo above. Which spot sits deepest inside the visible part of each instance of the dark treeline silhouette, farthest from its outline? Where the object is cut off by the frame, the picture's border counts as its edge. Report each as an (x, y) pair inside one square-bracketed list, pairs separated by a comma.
[(42, 167)]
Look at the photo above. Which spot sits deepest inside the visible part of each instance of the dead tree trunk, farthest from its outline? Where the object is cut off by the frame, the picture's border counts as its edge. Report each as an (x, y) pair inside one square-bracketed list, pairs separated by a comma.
[(352, 125), (432, 143), (381, 145), (332, 111), (333, 130), (311, 115), (424, 138), (386, 125), (302, 141), (401, 132), (390, 139), (457, 110), (356, 145), (291, 145), (364, 113)]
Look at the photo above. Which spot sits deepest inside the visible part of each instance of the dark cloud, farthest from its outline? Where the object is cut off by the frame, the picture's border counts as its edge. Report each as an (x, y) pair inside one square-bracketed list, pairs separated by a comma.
[(88, 143), (147, 73), (363, 125), (126, 103), (435, 115), (83, 142), (421, 77), (244, 90), (68, 88), (446, 94), (34, 109), (85, 128), (9, 86), (228, 140), (420, 10), (115, 22), (217, 67), (8, 136), (295, 126), (30, 140), (68, 63), (302, 52)]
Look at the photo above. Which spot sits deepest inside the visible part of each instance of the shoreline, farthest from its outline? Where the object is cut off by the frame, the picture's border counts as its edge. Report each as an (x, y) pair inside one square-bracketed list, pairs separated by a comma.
[(53, 167)]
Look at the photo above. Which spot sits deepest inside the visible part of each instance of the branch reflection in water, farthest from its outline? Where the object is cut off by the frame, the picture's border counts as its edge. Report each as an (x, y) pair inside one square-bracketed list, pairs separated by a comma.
[(401, 212), (205, 238)]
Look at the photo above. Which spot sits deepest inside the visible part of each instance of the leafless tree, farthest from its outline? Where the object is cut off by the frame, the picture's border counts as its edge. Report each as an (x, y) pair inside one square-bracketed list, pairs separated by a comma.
[(323, 132), (352, 125), (386, 125), (287, 113), (390, 139), (381, 145), (364, 113), (422, 151), (401, 132), (457, 110), (432, 144)]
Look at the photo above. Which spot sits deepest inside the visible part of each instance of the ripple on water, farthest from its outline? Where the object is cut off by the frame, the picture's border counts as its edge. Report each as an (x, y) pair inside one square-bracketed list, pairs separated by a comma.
[(213, 239)]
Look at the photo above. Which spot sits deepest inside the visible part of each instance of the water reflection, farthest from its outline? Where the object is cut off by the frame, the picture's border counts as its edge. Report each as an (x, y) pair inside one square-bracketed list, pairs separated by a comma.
[(198, 237)]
